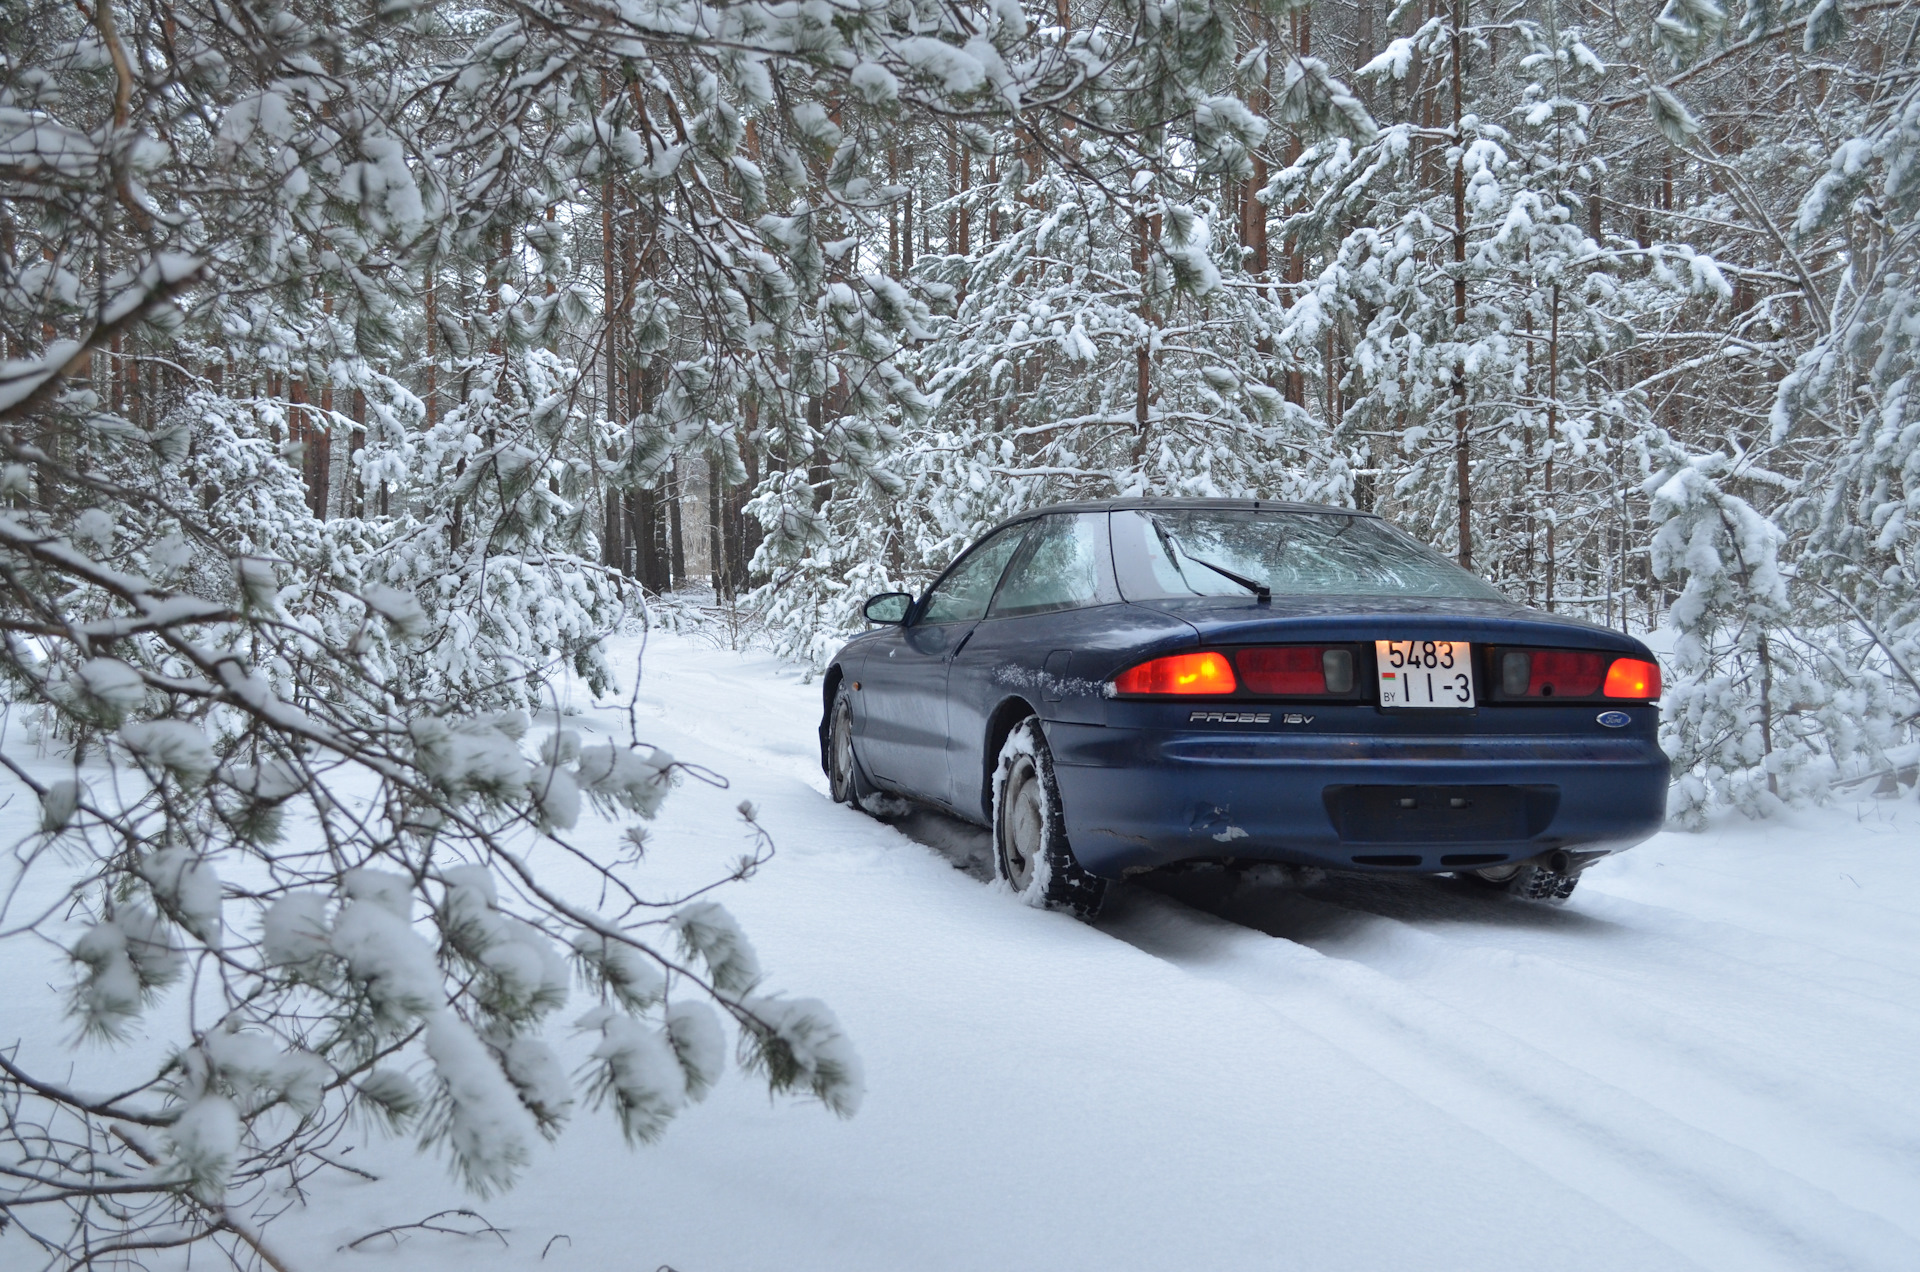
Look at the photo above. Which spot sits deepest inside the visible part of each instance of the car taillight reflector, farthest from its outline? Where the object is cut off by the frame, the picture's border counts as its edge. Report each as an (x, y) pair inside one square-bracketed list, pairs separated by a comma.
[(1633, 678), (1293, 670), (1178, 673), (1575, 673), (1564, 673)]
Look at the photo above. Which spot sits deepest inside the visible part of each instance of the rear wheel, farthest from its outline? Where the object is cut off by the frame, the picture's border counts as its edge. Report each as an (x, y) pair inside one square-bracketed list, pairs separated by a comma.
[(1030, 851), (840, 779), (1530, 880)]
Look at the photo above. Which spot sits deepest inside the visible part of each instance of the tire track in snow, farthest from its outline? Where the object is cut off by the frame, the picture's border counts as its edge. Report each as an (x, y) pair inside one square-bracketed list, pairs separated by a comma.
[(1857, 927), (1688, 1032), (1778, 950), (1688, 1027), (1714, 1202)]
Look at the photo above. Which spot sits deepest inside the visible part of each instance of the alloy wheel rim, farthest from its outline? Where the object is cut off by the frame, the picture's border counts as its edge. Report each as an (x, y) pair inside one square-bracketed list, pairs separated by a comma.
[(842, 753), (1024, 826)]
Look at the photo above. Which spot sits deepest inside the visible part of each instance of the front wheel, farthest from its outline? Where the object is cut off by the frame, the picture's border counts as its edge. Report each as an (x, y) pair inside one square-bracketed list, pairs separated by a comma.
[(1030, 851), (840, 779)]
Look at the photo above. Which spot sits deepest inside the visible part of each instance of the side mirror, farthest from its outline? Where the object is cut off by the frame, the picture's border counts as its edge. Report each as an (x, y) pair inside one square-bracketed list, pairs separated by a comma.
[(888, 607)]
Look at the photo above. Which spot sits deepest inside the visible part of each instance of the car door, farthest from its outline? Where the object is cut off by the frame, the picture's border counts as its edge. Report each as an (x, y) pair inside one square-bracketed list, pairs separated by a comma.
[(1063, 568), (904, 679)]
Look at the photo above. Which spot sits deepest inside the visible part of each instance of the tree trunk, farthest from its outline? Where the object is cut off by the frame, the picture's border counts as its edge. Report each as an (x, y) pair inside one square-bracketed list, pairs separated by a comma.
[(1553, 438), (357, 442), (716, 533), (743, 531), (1462, 442), (819, 467), (612, 502), (1295, 269), (431, 398), (612, 539), (674, 494), (136, 400), (953, 187), (966, 187), (906, 233), (1143, 385)]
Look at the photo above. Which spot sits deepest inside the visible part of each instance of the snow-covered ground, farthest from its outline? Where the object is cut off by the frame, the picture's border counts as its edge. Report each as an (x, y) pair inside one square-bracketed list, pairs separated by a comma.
[(1704, 1060)]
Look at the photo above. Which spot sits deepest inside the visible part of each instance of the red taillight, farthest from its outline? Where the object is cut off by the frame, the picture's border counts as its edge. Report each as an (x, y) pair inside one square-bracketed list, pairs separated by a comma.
[(1178, 673), (1574, 673), (1283, 671), (1632, 678), (1290, 671), (1565, 673)]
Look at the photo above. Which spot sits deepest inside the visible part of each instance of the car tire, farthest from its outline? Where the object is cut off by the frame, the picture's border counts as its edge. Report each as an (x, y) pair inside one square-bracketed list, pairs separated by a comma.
[(1031, 855), (1529, 880), (841, 781)]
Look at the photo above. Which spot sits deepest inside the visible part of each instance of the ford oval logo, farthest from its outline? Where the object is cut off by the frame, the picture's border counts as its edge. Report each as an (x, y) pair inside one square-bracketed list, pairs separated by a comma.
[(1614, 719)]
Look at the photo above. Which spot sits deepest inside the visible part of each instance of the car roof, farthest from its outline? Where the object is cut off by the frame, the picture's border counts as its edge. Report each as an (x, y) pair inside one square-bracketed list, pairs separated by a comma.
[(1144, 502)]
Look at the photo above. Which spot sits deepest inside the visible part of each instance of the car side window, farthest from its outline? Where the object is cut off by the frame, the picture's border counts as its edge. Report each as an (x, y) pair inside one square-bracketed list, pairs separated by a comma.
[(962, 596), (1058, 569)]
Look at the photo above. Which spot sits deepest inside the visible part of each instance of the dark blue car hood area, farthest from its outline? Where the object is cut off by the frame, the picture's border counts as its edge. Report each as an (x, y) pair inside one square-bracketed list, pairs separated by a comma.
[(1238, 620)]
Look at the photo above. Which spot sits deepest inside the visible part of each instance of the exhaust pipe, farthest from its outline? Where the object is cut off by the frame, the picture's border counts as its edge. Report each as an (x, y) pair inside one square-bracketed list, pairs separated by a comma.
[(1558, 861)]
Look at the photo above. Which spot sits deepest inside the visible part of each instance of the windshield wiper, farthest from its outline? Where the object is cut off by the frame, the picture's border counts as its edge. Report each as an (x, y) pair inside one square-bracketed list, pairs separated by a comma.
[(1262, 594)]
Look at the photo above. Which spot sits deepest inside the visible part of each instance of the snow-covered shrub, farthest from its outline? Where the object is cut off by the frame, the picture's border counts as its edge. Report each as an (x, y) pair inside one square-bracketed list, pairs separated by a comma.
[(1772, 693), (1720, 706), (302, 488)]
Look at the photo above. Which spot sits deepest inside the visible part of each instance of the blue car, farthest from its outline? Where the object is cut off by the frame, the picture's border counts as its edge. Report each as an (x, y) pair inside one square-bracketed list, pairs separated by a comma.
[(1122, 685)]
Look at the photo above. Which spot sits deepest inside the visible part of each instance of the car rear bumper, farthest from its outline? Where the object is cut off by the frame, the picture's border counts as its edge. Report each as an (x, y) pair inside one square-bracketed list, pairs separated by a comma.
[(1139, 798)]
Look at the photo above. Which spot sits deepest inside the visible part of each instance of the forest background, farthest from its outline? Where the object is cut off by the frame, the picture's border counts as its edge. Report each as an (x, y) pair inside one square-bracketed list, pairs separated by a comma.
[(1614, 304)]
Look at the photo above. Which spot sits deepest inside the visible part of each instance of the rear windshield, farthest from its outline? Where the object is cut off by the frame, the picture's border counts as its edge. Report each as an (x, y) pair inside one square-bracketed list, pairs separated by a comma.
[(1159, 554)]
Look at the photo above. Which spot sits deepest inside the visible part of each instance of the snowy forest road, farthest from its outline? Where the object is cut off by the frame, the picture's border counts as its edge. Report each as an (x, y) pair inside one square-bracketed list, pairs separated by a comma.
[(1615, 1046), (1702, 1061)]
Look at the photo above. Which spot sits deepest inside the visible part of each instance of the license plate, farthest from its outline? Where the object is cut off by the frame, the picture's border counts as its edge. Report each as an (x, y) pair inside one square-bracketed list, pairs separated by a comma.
[(1425, 673)]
